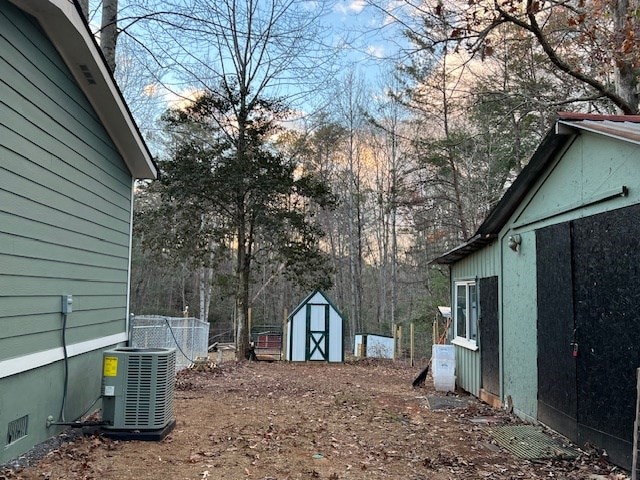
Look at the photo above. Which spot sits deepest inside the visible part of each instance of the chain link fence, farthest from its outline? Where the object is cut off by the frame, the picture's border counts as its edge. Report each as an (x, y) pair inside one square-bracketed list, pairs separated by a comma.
[(189, 336)]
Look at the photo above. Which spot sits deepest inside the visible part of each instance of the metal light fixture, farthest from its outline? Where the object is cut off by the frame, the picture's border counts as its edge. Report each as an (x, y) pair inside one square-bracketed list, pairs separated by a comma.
[(514, 242)]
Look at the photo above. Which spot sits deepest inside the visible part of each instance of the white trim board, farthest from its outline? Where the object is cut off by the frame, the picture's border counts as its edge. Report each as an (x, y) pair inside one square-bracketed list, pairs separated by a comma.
[(464, 343), (21, 364)]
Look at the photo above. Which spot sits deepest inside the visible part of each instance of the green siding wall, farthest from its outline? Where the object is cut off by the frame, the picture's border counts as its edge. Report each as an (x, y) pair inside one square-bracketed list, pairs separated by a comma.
[(65, 197), (485, 263), (591, 167), (468, 370), (594, 165), (518, 339), (24, 395), (65, 209)]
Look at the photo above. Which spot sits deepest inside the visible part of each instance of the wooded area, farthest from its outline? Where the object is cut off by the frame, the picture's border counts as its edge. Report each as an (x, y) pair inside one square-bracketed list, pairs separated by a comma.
[(284, 171)]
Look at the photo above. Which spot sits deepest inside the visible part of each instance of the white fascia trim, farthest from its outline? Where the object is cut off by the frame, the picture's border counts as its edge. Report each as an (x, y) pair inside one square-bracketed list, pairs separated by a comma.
[(65, 27), (24, 363)]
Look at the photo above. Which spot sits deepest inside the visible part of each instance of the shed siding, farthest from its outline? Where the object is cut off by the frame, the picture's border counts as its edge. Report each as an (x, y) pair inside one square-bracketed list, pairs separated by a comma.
[(468, 370), (65, 201), (484, 263), (336, 337), (297, 337), (593, 166), (519, 345)]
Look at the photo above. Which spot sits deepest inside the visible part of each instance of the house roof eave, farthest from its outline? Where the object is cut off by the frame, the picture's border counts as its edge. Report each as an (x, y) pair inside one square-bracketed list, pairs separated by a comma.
[(67, 29)]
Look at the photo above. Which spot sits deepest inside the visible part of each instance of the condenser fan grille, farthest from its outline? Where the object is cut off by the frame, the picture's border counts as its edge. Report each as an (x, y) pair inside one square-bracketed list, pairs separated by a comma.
[(137, 403)]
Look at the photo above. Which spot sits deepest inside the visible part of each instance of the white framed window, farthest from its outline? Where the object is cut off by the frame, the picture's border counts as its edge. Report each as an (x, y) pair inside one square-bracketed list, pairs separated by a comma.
[(465, 320)]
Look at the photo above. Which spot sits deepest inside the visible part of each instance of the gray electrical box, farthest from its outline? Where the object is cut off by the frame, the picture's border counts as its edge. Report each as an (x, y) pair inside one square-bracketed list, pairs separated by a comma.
[(67, 304), (138, 388)]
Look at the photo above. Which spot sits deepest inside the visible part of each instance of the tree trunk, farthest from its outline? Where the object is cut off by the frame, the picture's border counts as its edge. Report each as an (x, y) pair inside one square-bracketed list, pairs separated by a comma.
[(242, 303), (354, 229), (244, 233), (109, 32), (205, 276), (451, 159), (394, 234), (242, 284), (84, 6), (625, 75)]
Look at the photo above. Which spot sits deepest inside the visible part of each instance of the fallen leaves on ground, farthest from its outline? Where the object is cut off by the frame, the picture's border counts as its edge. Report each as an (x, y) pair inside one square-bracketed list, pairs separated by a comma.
[(280, 421)]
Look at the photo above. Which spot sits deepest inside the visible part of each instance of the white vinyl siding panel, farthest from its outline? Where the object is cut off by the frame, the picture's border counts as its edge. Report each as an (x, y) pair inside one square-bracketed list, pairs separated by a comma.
[(65, 201), (297, 337), (336, 337)]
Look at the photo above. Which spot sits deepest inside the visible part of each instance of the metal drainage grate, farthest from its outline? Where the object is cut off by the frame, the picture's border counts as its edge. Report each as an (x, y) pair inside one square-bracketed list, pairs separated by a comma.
[(17, 429), (447, 403), (530, 442)]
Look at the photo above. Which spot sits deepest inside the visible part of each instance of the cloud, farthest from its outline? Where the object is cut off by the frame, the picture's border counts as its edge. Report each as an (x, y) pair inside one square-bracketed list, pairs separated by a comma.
[(182, 99), (376, 51), (353, 6), (171, 98), (311, 5)]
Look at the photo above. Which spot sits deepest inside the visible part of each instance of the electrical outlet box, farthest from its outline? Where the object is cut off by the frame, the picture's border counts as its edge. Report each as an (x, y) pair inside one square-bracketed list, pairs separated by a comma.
[(67, 304)]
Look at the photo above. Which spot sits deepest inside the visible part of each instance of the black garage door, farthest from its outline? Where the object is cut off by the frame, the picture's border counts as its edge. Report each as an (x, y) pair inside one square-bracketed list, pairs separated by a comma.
[(588, 272)]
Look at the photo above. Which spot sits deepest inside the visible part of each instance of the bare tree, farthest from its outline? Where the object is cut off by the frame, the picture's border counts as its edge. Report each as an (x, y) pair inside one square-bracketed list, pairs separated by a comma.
[(605, 31), (388, 121), (242, 52)]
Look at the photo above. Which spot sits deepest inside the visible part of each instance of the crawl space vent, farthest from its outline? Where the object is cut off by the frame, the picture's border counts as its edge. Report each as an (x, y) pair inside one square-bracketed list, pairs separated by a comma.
[(17, 429)]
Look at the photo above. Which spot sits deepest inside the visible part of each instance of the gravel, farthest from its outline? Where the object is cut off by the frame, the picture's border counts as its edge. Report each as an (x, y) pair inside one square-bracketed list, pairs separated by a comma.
[(38, 452)]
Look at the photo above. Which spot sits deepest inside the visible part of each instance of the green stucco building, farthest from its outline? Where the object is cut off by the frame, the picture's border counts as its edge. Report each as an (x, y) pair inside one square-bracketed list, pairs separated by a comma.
[(543, 296), (69, 155)]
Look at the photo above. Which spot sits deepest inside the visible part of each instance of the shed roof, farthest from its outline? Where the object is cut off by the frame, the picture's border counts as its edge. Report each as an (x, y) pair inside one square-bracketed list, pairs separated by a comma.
[(308, 298), (567, 126), (63, 23)]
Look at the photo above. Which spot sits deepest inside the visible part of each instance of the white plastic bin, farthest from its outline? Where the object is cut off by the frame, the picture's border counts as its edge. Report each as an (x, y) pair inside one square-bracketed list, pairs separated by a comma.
[(445, 384), (443, 352), (443, 367)]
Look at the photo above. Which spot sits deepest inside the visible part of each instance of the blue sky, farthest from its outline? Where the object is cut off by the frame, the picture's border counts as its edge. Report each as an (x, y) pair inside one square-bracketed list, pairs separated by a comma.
[(368, 42), (370, 39)]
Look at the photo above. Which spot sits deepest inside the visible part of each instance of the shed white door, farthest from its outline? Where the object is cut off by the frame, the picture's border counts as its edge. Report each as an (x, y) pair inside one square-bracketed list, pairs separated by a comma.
[(317, 347)]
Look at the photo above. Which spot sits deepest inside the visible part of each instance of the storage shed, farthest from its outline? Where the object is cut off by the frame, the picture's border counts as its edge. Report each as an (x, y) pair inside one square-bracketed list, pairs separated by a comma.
[(70, 153), (373, 346), (545, 305), (315, 331)]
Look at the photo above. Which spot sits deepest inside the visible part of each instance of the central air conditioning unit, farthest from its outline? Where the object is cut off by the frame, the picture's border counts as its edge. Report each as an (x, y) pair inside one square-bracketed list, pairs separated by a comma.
[(138, 388)]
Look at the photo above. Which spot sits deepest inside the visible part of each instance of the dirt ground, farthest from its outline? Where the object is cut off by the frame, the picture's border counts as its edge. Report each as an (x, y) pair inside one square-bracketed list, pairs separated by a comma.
[(268, 421)]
